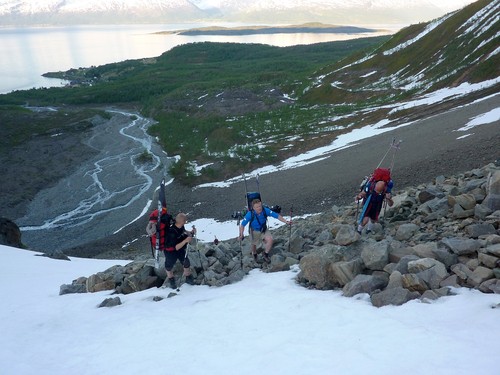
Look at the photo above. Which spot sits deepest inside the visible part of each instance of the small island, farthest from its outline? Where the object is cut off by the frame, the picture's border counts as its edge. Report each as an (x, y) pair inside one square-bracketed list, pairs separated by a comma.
[(314, 28)]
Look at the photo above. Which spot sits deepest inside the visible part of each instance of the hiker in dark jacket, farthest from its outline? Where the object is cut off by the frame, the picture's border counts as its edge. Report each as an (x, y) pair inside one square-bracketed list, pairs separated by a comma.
[(259, 232), (373, 195), (176, 244)]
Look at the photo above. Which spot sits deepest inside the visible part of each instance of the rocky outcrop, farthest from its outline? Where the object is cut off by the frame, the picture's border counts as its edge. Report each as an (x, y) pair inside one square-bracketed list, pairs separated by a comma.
[(437, 236), (10, 234)]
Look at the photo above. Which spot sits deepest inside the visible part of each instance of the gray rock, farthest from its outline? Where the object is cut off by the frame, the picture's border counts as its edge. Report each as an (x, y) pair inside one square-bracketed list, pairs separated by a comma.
[(375, 255), (446, 257), (236, 276), (466, 201), (365, 284), (414, 283), (432, 277), (494, 249), (460, 213), (429, 193), (479, 275), (482, 211), (393, 296), (419, 265), (450, 281), (402, 265), (406, 231), (476, 230), (395, 280), (297, 245), (314, 267), (461, 246), (487, 260), (490, 286), (397, 251), (426, 250), (111, 302), (437, 205), (340, 273), (346, 235), (10, 234), (72, 288), (462, 271)]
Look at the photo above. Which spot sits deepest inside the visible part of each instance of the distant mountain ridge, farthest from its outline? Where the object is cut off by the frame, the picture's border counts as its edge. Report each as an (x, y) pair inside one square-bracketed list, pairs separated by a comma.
[(30, 12)]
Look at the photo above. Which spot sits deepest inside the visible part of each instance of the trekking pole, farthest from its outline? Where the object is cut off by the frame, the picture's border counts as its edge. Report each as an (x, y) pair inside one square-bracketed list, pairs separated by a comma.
[(290, 228), (388, 150), (396, 147), (357, 212), (199, 254), (241, 256)]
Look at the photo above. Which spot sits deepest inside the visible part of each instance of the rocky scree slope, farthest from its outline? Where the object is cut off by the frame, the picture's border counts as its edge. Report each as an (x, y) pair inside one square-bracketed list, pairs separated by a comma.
[(436, 237)]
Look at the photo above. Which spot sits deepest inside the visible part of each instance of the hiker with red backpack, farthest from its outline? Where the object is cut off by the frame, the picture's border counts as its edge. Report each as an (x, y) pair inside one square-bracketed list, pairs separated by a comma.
[(174, 239), (152, 230), (374, 192), (177, 242)]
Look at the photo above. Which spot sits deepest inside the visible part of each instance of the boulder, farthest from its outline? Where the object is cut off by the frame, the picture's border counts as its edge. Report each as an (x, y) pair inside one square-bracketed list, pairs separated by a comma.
[(340, 273), (314, 267), (395, 280), (479, 275), (346, 235), (111, 302), (466, 201), (406, 231), (414, 283), (494, 249), (375, 255), (490, 286), (487, 260), (461, 246), (394, 296), (365, 284), (492, 200), (429, 193), (10, 234)]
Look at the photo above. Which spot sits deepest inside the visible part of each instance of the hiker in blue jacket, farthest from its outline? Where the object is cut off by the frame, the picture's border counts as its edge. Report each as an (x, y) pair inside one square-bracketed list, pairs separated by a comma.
[(259, 233)]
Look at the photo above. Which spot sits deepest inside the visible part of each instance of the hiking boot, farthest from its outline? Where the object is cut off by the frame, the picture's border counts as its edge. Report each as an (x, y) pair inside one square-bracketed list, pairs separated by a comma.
[(171, 282), (266, 257), (254, 256), (190, 280)]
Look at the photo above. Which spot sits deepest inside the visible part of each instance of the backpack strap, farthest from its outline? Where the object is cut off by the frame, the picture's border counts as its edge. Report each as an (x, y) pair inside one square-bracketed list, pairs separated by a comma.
[(254, 216)]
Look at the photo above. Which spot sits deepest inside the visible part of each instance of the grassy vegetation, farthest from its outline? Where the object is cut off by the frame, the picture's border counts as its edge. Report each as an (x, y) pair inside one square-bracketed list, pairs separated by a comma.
[(19, 124), (223, 104), (169, 88)]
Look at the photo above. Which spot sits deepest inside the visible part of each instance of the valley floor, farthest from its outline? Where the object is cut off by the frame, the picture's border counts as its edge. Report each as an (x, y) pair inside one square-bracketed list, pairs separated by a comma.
[(431, 147)]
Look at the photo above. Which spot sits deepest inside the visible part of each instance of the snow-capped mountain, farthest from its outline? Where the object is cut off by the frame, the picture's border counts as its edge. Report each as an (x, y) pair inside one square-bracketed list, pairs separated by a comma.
[(14, 12)]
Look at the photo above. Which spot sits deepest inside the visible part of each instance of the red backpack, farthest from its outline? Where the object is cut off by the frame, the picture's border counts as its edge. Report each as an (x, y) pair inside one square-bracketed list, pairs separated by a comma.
[(166, 221), (381, 174)]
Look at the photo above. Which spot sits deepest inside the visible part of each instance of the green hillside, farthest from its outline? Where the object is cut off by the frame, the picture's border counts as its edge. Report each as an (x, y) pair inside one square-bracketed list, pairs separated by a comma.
[(240, 106), (459, 47)]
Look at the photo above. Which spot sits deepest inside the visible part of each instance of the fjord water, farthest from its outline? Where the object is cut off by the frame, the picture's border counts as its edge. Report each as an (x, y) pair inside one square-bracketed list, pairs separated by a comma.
[(28, 52)]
